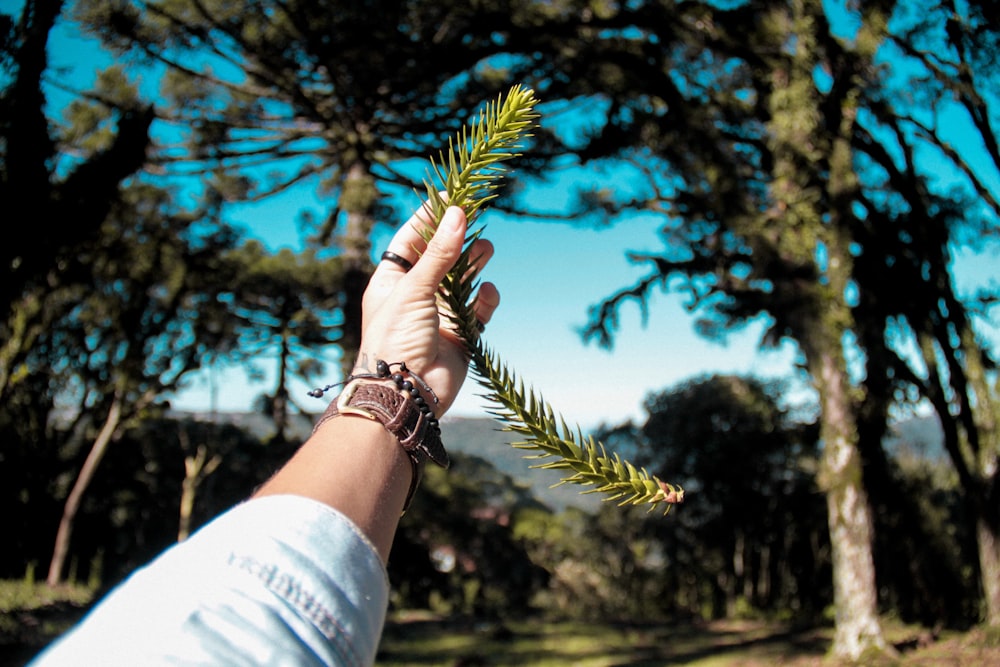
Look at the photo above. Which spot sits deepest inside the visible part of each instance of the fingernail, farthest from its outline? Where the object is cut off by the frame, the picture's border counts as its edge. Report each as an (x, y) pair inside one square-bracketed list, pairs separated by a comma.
[(450, 220)]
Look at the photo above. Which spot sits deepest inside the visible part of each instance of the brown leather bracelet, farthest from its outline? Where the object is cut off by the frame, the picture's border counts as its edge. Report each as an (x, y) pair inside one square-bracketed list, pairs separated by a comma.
[(400, 415), (396, 410)]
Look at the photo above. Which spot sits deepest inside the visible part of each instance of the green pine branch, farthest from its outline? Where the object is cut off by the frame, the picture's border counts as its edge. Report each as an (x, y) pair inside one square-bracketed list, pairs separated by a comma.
[(470, 174)]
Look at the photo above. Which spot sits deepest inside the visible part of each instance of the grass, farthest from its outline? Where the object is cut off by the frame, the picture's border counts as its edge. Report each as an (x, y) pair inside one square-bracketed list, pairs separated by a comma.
[(32, 614), (542, 644), (427, 642)]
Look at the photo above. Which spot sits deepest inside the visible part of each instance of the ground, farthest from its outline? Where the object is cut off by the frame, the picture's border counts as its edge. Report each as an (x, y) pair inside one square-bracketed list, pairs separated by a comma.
[(30, 616), (426, 642)]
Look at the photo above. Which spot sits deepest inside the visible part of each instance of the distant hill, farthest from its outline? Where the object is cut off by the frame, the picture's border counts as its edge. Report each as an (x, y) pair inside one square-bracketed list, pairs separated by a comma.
[(257, 424), (474, 437), (483, 438), (921, 436)]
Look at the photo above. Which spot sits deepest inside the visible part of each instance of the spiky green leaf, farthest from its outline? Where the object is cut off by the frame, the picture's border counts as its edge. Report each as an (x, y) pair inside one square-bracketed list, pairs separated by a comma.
[(470, 175)]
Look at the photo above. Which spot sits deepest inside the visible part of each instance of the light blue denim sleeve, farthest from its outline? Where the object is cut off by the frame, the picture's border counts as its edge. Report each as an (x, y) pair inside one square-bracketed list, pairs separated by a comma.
[(279, 580)]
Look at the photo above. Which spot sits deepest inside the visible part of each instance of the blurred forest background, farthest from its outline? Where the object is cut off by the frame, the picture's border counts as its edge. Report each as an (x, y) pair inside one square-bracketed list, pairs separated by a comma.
[(817, 178)]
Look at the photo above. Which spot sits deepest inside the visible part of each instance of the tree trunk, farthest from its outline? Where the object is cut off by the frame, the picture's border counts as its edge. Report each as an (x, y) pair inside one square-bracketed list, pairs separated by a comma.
[(762, 588), (849, 517), (358, 199), (966, 403), (72, 505), (984, 430), (740, 576), (196, 469), (279, 406), (988, 543)]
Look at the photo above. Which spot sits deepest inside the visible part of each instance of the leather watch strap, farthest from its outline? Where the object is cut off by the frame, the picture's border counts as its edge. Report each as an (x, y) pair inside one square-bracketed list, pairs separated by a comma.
[(394, 409), (400, 415), (392, 399)]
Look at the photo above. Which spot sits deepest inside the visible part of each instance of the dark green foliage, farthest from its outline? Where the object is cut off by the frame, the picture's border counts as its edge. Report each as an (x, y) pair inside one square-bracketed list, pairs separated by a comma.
[(752, 527), (54, 209), (924, 542), (131, 512), (30, 468), (615, 565), (456, 550)]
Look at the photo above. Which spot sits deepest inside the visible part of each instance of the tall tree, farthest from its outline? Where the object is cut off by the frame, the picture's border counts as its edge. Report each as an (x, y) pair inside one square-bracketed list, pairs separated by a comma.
[(751, 471), (951, 51), (149, 316), (56, 202), (285, 307), (66, 206), (750, 162), (338, 94), (771, 146)]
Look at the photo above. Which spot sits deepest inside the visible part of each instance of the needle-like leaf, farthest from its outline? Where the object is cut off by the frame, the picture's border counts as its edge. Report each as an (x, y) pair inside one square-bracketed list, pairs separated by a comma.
[(470, 175)]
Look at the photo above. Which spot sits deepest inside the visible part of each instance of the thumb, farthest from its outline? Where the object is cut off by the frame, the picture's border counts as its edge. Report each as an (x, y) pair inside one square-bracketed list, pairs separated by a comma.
[(443, 249)]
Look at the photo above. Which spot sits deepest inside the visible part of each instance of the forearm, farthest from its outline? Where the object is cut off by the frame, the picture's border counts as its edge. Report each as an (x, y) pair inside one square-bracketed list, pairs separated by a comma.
[(356, 467)]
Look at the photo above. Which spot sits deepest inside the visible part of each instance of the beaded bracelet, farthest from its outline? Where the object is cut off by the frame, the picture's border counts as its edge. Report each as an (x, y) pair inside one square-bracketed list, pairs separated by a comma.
[(394, 400)]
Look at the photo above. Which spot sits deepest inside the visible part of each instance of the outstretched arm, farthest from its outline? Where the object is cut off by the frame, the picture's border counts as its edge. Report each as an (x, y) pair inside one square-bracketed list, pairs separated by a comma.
[(296, 575), (354, 464)]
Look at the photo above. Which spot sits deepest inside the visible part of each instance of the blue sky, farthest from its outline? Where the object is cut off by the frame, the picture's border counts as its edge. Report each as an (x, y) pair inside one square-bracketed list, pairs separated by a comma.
[(548, 275)]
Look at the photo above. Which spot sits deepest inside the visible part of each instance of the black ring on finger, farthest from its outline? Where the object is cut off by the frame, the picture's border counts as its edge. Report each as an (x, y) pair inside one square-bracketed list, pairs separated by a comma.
[(480, 326), (401, 262)]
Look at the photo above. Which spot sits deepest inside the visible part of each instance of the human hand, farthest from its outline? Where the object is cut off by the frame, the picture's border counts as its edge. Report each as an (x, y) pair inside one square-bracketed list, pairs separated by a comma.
[(401, 321)]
